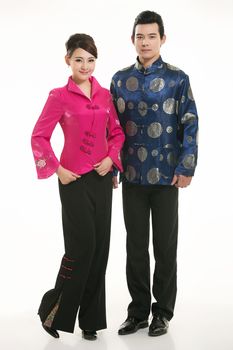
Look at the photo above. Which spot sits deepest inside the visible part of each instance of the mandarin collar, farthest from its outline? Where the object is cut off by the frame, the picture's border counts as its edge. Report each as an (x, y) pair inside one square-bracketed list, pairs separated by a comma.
[(95, 86), (158, 64)]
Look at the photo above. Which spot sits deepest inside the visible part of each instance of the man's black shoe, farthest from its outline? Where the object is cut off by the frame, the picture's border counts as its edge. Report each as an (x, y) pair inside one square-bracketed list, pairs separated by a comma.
[(51, 331), (89, 335), (131, 325), (158, 326)]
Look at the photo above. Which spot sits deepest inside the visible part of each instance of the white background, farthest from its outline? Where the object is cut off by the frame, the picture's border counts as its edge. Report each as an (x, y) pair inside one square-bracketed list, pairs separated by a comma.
[(199, 40)]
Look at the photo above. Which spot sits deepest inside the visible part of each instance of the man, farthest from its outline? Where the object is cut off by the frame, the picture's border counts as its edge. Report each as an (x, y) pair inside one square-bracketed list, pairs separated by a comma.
[(158, 114)]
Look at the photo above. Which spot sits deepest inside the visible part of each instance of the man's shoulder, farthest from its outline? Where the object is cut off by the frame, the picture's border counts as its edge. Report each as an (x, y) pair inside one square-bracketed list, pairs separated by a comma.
[(173, 69), (124, 71)]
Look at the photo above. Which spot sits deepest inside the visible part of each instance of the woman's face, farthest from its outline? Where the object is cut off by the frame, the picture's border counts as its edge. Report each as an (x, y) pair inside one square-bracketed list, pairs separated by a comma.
[(82, 64)]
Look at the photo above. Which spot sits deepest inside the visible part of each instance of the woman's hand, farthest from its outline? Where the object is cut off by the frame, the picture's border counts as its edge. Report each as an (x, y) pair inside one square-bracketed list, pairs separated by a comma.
[(104, 166), (66, 176)]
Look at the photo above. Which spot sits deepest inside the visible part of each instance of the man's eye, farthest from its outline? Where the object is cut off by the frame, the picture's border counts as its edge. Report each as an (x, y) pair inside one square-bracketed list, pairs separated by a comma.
[(78, 60)]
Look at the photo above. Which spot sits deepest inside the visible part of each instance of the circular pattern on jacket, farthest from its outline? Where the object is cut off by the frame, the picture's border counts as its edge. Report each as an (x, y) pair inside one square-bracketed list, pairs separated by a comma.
[(157, 84), (154, 130), (172, 83), (130, 150), (119, 83), (169, 106), (189, 139), (130, 105), (142, 154), (154, 152), (169, 129), (130, 173), (188, 118), (142, 108), (190, 93), (153, 176), (155, 107), (168, 145), (170, 66), (132, 84), (171, 159), (131, 128), (189, 161), (183, 99), (121, 105), (161, 157)]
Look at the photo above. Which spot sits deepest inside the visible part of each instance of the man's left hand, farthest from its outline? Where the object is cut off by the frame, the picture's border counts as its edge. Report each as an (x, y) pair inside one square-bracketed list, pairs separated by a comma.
[(181, 181)]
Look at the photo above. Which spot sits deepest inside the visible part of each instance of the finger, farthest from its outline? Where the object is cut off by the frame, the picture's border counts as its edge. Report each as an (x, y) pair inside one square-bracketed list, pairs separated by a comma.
[(174, 180), (96, 165)]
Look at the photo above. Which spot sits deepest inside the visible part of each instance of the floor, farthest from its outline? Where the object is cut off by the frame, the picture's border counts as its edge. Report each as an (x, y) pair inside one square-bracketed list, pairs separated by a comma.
[(194, 328)]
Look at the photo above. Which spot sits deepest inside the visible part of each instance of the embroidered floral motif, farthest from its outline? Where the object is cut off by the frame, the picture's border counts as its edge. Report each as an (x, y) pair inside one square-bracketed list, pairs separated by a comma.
[(41, 163), (49, 320)]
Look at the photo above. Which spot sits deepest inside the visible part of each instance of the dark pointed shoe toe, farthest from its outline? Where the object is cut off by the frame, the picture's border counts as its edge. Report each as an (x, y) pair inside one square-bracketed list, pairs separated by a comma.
[(51, 331), (158, 326), (132, 325), (89, 335)]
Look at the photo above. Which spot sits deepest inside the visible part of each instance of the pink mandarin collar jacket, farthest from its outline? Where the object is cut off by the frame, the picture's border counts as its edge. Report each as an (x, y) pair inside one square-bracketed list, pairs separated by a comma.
[(91, 130)]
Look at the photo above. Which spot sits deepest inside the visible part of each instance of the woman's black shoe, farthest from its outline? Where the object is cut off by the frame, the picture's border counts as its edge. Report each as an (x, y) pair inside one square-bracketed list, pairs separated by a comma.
[(89, 335), (51, 331)]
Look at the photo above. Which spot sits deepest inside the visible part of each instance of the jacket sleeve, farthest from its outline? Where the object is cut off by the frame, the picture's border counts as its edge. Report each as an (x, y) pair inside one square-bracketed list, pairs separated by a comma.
[(115, 137), (187, 130), (45, 159)]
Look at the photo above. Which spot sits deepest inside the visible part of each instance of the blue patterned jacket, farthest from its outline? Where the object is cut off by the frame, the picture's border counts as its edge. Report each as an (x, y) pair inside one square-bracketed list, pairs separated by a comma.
[(157, 111)]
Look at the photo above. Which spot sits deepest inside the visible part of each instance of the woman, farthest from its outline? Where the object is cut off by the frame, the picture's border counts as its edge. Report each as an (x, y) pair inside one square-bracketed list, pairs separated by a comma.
[(93, 140)]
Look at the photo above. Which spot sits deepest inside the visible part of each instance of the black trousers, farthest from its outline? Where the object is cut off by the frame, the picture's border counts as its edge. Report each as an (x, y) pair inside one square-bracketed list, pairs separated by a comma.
[(162, 203), (80, 285)]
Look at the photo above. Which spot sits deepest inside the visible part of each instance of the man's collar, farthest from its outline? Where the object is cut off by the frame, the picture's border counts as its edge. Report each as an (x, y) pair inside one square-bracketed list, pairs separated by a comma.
[(157, 64)]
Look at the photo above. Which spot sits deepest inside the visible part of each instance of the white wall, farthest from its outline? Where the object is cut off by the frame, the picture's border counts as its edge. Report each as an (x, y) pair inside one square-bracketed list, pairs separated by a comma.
[(32, 37)]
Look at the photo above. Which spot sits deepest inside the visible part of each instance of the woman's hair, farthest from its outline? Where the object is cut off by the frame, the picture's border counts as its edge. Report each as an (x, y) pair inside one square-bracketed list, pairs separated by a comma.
[(147, 17), (82, 41)]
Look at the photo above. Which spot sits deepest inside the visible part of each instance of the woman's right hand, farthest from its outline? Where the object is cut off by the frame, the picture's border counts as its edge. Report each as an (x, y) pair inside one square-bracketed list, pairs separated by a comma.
[(66, 176)]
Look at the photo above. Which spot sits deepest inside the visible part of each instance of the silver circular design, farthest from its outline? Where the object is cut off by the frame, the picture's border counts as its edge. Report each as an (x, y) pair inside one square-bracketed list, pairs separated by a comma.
[(171, 67), (121, 105), (188, 118), (171, 159), (155, 107), (130, 105), (154, 152), (142, 108), (131, 128), (153, 176), (119, 83), (197, 137), (157, 84), (130, 150), (190, 93), (154, 130), (189, 139), (161, 157), (189, 161), (132, 84), (130, 173), (142, 154), (169, 106), (113, 83), (169, 129), (183, 99), (172, 83)]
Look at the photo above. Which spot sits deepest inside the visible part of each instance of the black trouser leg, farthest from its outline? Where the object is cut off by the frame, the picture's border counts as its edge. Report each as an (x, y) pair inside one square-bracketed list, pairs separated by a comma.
[(136, 208), (81, 277), (164, 204)]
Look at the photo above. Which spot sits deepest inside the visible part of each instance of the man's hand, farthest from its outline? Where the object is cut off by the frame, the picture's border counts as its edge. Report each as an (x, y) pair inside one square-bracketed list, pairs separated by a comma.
[(181, 181), (114, 182), (104, 166), (66, 176)]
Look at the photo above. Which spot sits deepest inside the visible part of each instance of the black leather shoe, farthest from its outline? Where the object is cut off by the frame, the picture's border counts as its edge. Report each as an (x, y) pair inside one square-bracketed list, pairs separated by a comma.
[(51, 331), (131, 325), (158, 326), (89, 335)]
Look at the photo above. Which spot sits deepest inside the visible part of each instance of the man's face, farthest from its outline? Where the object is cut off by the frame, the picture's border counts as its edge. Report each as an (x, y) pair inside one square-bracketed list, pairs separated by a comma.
[(147, 42)]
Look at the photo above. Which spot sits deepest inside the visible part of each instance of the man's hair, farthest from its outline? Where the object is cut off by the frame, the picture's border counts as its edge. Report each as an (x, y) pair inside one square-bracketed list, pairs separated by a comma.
[(147, 17)]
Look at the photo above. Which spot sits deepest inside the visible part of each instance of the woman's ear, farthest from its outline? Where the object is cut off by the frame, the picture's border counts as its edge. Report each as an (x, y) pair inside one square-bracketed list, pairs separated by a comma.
[(67, 60)]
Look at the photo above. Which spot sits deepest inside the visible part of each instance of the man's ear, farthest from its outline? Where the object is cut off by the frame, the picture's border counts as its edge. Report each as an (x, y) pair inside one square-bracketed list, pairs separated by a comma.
[(163, 39), (132, 39)]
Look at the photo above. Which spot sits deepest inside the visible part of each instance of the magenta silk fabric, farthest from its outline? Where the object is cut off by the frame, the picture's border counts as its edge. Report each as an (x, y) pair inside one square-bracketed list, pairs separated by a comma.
[(91, 130)]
